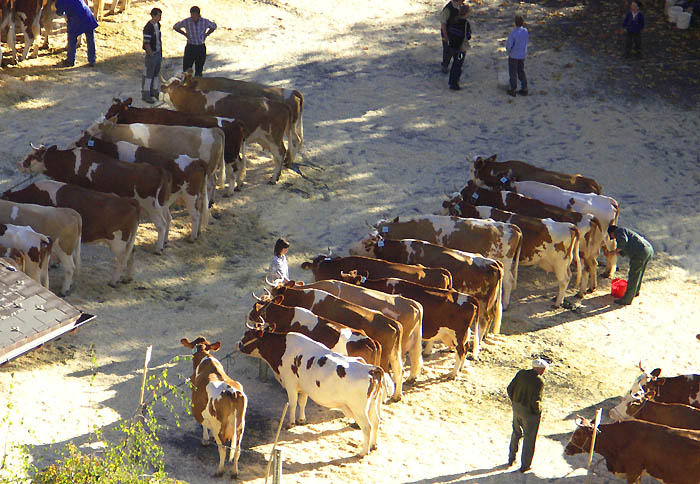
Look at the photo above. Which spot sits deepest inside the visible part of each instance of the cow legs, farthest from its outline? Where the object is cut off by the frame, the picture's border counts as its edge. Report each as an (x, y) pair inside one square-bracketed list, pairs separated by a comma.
[(47, 23), (278, 154), (11, 37), (121, 254), (292, 396), (44, 272), (221, 448), (303, 397), (68, 266), (414, 353), (236, 441), (157, 215), (396, 365), (428, 349), (374, 409), (195, 215), (508, 286), (33, 41), (205, 436), (365, 425), (611, 262), (563, 276)]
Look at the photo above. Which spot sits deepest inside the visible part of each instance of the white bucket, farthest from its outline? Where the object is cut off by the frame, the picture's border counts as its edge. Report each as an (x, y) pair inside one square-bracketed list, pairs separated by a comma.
[(683, 20), (504, 79), (673, 13), (667, 5)]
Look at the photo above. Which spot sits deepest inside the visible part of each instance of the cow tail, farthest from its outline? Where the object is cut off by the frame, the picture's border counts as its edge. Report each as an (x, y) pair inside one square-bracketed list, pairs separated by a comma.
[(203, 199), (574, 251), (516, 261), (300, 124), (222, 162), (76, 252), (498, 304), (616, 206)]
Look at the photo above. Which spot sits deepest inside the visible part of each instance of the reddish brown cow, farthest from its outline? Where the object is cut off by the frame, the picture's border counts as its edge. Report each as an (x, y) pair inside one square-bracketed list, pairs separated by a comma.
[(107, 218), (683, 389), (633, 447), (645, 408), (493, 173), (324, 267)]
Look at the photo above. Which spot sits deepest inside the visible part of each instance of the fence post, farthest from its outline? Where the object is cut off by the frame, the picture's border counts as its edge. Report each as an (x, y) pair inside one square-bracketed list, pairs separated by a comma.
[(598, 414), (277, 466), (274, 445)]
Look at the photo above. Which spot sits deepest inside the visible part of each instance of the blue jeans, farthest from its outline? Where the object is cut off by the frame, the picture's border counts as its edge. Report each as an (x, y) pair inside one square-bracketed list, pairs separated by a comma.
[(73, 41)]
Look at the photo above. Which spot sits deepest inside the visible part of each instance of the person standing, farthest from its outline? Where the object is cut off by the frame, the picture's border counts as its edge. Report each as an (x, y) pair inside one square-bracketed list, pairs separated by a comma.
[(516, 47), (633, 24), (196, 29), (79, 20), (154, 57), (279, 269), (447, 16), (640, 251), (525, 393), (459, 32)]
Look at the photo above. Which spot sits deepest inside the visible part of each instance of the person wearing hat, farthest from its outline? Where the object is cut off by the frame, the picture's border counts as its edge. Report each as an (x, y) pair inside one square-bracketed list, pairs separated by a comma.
[(639, 250), (279, 269), (525, 393)]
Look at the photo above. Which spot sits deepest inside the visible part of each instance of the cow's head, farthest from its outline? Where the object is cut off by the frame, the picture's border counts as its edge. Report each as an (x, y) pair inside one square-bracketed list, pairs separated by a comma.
[(34, 162), (451, 205), (251, 341), (580, 441), (201, 348), (118, 107), (628, 409), (642, 384), (314, 264), (188, 78), (367, 246), (479, 169), (102, 124), (354, 277), (258, 314), (167, 88)]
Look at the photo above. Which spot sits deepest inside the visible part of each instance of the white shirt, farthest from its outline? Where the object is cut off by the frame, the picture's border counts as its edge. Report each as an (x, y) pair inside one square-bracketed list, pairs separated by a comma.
[(278, 268)]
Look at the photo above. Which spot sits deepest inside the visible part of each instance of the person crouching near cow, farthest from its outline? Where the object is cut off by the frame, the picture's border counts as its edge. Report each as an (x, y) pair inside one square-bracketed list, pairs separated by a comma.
[(79, 20), (279, 269), (640, 251), (459, 33), (154, 57)]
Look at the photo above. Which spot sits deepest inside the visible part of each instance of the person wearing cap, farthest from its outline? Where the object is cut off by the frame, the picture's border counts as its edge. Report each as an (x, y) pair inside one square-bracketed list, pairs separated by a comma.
[(279, 269), (525, 393), (639, 250)]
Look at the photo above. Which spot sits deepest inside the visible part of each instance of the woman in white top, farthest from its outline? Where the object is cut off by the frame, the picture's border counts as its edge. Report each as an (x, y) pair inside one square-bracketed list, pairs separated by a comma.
[(278, 265)]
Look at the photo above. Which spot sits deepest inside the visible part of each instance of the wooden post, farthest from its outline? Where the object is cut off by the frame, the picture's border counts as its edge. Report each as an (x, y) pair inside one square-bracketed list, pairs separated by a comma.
[(277, 466), (279, 427), (145, 370), (598, 415)]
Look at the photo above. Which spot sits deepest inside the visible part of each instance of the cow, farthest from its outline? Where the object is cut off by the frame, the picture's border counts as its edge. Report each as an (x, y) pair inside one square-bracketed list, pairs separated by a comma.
[(495, 240), (471, 274), (62, 225), (234, 131), (291, 97), (449, 316), (605, 209), (189, 176), (266, 121), (405, 311), (590, 230), (385, 331), (107, 218), (36, 246), (115, 5), (496, 173), (25, 14), (338, 337), (14, 257), (547, 244), (643, 407), (206, 144), (633, 447), (149, 185), (218, 402), (326, 267), (683, 389), (306, 369)]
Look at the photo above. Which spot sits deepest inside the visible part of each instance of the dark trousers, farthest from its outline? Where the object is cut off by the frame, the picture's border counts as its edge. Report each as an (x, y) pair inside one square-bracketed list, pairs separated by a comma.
[(73, 46), (194, 54), (634, 278), (456, 71), (633, 41), (525, 426), (446, 54), (517, 66)]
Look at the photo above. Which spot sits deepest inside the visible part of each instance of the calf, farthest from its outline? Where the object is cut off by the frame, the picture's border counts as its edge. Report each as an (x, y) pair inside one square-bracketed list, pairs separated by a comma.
[(189, 176), (448, 316), (36, 246), (107, 218), (218, 402), (471, 274), (306, 369), (385, 331), (338, 337), (643, 407), (683, 389), (324, 267), (495, 174), (266, 121), (26, 14), (634, 447), (62, 225)]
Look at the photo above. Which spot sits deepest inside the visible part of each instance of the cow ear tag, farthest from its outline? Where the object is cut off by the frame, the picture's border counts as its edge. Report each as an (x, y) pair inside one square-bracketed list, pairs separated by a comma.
[(504, 180), (385, 229), (380, 243), (91, 143), (475, 197), (363, 279)]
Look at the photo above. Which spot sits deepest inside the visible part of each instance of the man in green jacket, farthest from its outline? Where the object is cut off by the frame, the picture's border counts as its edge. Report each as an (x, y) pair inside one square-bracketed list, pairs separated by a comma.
[(525, 393), (639, 250)]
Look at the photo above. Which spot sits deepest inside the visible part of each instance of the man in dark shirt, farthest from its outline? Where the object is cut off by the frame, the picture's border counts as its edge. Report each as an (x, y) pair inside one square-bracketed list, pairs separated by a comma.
[(639, 250), (154, 57), (525, 393)]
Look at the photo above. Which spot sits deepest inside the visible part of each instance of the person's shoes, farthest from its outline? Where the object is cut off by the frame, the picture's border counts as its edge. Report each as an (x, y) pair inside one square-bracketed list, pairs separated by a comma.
[(621, 302), (511, 92), (523, 92), (147, 98), (65, 63), (511, 461), (455, 87), (444, 69), (91, 64), (524, 469)]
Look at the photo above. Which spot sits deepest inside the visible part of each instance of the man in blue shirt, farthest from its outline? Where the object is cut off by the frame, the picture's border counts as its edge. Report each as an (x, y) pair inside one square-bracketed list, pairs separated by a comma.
[(634, 24), (639, 251), (516, 47), (79, 20)]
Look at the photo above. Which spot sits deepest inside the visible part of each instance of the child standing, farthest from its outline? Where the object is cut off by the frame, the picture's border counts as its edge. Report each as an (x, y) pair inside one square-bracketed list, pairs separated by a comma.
[(278, 265), (516, 47), (633, 24), (459, 32)]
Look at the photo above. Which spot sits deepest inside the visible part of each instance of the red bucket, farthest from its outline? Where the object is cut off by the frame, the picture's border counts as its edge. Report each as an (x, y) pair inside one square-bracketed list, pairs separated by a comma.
[(618, 287)]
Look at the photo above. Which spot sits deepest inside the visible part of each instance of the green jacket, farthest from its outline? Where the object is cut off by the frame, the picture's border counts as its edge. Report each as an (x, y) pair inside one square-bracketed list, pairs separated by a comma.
[(631, 244), (526, 389)]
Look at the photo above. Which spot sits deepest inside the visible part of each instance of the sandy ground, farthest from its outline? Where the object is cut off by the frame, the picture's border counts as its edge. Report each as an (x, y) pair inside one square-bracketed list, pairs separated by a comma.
[(383, 137)]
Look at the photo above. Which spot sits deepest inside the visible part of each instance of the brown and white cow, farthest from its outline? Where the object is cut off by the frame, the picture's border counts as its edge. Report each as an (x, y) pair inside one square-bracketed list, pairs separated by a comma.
[(291, 97), (25, 14), (36, 246), (306, 369), (189, 175), (471, 274), (338, 337), (149, 185), (107, 218), (324, 267), (206, 144), (495, 240), (634, 447), (266, 121), (496, 173), (385, 331), (449, 316), (14, 257), (218, 402), (403, 310), (643, 407), (590, 230), (683, 389), (62, 225), (234, 131)]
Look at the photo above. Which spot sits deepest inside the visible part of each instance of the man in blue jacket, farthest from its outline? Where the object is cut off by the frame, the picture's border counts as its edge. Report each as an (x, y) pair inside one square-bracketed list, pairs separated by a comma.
[(79, 20), (634, 24)]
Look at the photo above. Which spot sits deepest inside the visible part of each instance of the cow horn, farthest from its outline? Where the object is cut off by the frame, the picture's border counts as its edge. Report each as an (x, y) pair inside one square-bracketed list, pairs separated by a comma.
[(640, 366), (162, 80), (330, 253), (248, 325), (268, 292), (254, 296), (272, 284), (32, 146)]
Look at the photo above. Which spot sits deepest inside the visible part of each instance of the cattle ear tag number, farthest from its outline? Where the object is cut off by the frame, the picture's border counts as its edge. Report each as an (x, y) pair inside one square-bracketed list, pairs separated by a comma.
[(380, 243), (504, 180), (475, 196), (363, 279), (91, 143), (385, 229)]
